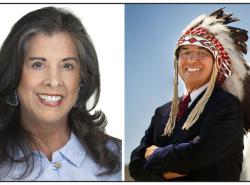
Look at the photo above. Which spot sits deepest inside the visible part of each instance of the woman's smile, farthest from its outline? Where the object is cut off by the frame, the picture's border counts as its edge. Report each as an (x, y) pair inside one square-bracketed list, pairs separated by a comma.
[(50, 100)]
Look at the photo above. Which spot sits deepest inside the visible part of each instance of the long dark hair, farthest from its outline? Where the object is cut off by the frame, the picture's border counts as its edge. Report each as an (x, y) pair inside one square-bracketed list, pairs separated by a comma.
[(88, 127)]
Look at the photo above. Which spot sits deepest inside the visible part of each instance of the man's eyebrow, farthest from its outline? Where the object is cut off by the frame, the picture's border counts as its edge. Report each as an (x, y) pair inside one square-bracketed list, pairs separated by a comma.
[(204, 49), (186, 48), (70, 58), (183, 48), (37, 58)]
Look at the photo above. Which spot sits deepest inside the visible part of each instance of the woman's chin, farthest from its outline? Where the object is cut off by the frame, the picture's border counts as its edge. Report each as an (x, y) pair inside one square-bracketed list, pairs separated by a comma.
[(50, 118)]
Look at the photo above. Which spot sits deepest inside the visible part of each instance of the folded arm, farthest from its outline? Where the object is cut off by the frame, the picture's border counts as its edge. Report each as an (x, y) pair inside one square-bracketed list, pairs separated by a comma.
[(219, 136)]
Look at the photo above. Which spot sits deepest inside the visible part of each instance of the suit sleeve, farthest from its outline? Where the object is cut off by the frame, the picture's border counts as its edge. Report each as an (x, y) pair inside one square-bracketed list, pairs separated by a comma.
[(137, 160), (220, 135)]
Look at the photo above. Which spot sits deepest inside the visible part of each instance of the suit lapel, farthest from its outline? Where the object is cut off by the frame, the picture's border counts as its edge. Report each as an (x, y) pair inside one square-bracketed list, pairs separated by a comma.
[(180, 135)]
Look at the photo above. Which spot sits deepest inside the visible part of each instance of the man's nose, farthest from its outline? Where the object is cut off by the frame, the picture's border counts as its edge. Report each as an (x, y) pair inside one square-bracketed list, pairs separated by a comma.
[(192, 57)]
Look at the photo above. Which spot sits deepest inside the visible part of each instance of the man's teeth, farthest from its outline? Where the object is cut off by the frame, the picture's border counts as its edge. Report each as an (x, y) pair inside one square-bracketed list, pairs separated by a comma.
[(192, 69), (50, 98)]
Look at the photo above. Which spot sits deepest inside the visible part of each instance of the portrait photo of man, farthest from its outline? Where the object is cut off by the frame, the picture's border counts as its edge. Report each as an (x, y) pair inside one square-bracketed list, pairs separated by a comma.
[(198, 134)]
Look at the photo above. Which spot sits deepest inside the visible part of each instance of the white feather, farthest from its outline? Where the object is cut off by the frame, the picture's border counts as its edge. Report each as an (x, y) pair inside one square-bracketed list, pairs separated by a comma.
[(194, 22), (233, 86)]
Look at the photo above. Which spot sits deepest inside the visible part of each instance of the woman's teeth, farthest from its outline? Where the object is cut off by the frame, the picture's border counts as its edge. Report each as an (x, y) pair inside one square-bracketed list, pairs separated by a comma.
[(50, 99)]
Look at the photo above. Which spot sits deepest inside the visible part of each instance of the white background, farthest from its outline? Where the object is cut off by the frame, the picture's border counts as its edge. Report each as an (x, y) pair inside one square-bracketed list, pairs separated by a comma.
[(105, 25)]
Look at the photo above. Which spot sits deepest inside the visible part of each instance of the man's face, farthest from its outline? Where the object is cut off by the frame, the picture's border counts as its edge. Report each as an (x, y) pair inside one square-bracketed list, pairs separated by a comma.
[(195, 66)]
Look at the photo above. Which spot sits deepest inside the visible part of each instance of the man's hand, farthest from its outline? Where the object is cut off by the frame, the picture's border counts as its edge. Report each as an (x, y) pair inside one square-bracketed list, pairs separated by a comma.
[(167, 175), (172, 175), (149, 151)]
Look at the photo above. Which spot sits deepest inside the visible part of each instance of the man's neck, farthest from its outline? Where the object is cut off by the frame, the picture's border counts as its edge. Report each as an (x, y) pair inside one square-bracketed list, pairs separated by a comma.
[(195, 93)]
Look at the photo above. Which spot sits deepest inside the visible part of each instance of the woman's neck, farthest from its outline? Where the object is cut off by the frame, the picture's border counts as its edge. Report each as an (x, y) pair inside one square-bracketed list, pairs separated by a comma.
[(47, 137)]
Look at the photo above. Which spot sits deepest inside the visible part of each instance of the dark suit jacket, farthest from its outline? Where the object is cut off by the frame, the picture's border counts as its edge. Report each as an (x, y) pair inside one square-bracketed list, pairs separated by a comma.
[(211, 150)]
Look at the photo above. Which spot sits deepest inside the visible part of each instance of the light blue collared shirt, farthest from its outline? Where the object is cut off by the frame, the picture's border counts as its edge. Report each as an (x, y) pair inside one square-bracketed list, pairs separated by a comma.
[(70, 163)]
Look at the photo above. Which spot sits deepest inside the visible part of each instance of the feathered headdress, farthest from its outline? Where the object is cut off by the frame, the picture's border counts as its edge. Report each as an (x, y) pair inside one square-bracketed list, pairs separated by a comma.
[(231, 71)]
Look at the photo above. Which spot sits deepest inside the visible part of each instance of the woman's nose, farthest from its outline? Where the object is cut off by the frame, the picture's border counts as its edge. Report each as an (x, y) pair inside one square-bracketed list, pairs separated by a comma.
[(54, 78)]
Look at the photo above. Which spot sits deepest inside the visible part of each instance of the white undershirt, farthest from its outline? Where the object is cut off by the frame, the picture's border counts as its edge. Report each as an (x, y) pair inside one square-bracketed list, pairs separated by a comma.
[(195, 93)]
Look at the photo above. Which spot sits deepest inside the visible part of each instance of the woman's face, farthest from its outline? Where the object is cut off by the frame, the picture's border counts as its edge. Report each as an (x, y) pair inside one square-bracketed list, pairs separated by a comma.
[(50, 78)]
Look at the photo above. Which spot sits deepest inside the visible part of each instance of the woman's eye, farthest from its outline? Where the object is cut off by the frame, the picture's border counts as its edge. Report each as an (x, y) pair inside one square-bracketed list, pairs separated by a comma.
[(37, 65), (68, 66)]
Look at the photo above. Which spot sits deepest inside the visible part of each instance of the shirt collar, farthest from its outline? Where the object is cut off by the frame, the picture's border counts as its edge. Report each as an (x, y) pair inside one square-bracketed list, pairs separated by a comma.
[(73, 151), (195, 93)]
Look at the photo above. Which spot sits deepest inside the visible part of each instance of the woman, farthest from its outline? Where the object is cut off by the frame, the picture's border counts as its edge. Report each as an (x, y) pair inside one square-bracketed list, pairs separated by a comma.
[(49, 71)]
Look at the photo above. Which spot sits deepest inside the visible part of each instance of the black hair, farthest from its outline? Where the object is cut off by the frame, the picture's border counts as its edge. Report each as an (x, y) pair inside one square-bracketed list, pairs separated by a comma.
[(88, 127)]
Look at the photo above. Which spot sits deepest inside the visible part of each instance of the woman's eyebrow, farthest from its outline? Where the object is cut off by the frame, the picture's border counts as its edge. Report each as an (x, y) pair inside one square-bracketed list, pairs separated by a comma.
[(70, 58), (44, 59), (37, 58)]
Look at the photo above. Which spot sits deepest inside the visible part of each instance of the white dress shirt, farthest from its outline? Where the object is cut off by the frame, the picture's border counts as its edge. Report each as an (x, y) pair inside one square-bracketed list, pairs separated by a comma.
[(194, 94)]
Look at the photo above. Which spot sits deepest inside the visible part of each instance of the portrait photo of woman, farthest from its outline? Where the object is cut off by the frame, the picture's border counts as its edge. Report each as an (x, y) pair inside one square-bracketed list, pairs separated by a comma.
[(51, 125)]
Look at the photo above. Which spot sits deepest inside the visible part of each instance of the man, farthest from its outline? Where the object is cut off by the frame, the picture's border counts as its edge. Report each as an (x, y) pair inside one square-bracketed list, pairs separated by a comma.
[(198, 137)]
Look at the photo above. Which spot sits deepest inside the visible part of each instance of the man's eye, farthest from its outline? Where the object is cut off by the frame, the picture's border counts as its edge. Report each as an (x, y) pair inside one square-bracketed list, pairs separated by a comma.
[(37, 65), (68, 66)]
